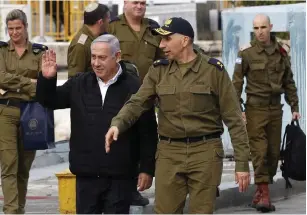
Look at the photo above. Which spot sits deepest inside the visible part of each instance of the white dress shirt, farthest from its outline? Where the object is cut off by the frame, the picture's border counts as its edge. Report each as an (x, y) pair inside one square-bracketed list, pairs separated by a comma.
[(104, 86)]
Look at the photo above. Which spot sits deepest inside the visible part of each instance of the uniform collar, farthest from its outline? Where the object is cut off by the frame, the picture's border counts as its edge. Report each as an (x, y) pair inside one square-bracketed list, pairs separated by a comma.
[(195, 67), (12, 47), (270, 50), (197, 63), (274, 40), (124, 21), (144, 25), (88, 32)]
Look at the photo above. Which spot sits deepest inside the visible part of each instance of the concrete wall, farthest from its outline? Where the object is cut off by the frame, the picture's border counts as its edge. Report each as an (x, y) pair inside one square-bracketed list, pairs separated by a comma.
[(237, 28), (61, 49)]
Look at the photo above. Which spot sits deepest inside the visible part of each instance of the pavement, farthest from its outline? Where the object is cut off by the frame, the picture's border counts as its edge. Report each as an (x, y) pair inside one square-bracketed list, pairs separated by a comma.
[(43, 193), (295, 204)]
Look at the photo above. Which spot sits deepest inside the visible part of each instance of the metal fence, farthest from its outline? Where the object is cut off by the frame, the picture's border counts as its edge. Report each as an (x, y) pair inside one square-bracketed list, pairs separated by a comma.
[(62, 19)]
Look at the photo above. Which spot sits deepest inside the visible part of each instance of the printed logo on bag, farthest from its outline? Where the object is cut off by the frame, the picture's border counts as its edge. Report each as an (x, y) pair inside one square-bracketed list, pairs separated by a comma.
[(33, 124)]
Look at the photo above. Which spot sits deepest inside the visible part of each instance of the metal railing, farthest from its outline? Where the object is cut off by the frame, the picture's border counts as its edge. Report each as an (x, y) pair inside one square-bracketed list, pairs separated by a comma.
[(62, 19)]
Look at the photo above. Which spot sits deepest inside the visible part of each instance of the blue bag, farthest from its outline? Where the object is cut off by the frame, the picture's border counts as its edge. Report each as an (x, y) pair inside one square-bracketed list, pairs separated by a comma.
[(37, 126)]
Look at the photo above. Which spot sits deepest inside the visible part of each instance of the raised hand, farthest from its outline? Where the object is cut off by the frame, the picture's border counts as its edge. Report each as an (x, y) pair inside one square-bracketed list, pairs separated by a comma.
[(49, 64)]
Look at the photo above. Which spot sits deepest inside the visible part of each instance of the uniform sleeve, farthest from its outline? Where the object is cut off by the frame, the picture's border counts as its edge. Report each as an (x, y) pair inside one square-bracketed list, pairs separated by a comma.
[(76, 60), (13, 82), (2, 61), (240, 70), (290, 88), (232, 117), (140, 102)]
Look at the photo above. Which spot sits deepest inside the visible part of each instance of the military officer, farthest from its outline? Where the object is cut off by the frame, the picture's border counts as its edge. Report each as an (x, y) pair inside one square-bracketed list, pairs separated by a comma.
[(195, 95), (138, 44), (96, 20), (20, 64), (266, 66)]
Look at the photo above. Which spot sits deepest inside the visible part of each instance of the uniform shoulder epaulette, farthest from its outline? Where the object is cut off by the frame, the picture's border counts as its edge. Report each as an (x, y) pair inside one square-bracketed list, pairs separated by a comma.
[(153, 24), (216, 63), (284, 48), (3, 44), (160, 62), (245, 46), (114, 19), (82, 39), (37, 48)]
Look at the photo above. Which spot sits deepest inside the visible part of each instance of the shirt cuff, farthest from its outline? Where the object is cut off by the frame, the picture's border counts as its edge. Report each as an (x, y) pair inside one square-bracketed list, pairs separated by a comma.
[(118, 124), (242, 166)]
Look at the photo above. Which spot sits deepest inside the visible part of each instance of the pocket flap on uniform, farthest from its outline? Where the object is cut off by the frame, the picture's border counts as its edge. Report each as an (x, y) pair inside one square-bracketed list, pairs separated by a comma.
[(257, 66), (166, 90), (151, 40), (200, 89)]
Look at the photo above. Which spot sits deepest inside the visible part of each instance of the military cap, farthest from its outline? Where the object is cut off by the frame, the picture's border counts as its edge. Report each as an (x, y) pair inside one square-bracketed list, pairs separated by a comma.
[(175, 25)]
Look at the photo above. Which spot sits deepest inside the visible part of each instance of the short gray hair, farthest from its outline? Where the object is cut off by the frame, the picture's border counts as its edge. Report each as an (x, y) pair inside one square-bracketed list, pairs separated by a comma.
[(111, 40), (17, 14)]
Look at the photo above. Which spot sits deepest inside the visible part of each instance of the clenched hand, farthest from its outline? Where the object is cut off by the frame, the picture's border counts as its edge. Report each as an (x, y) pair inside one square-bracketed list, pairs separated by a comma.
[(296, 116)]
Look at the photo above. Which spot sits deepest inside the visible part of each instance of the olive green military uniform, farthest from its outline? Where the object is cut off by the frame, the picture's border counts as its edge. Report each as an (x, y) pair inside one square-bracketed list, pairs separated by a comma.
[(194, 99), (268, 73), (15, 86), (79, 52), (140, 48)]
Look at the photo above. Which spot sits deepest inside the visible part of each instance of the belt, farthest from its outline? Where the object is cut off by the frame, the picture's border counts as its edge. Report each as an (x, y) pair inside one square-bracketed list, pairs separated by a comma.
[(192, 139), (260, 101), (10, 102)]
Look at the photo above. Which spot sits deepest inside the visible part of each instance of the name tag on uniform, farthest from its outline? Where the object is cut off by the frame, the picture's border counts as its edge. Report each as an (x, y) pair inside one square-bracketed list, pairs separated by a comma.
[(238, 60)]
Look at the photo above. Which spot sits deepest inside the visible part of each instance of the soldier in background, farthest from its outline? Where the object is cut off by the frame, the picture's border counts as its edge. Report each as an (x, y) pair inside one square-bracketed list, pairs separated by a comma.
[(266, 66), (133, 30), (96, 21), (20, 64)]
